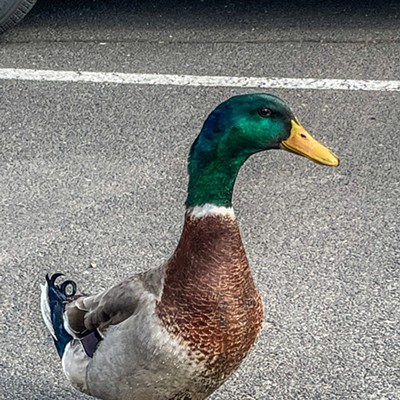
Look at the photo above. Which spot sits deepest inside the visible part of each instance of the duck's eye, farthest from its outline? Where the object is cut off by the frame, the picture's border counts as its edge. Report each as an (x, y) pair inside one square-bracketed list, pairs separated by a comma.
[(265, 112)]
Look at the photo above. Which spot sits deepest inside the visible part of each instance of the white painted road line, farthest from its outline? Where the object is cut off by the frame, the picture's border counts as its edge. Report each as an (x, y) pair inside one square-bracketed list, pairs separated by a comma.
[(194, 80)]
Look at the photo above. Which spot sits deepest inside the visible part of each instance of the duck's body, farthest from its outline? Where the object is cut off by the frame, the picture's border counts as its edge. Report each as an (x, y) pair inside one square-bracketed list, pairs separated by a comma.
[(179, 341), (180, 330)]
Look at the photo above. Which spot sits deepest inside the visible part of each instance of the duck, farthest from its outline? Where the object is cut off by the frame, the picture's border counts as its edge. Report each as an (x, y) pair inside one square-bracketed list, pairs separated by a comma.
[(179, 330)]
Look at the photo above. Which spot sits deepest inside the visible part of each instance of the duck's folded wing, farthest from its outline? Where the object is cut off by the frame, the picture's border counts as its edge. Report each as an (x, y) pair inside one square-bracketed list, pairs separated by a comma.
[(114, 305)]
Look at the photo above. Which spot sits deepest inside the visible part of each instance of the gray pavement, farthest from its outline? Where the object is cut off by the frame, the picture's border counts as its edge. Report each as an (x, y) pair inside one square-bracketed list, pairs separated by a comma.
[(97, 173)]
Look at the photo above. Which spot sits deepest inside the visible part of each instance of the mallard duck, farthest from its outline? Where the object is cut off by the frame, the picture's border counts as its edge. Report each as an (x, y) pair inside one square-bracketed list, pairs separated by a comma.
[(178, 331)]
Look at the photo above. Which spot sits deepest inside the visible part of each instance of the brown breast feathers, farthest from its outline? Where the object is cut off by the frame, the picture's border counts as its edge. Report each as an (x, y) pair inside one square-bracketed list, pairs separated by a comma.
[(209, 298)]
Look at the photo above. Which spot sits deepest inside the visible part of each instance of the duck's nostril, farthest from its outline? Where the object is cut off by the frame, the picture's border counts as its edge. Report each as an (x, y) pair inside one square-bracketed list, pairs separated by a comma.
[(303, 135)]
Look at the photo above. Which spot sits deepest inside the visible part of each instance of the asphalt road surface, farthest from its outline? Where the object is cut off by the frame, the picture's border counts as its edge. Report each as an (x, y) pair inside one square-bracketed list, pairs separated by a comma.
[(95, 174)]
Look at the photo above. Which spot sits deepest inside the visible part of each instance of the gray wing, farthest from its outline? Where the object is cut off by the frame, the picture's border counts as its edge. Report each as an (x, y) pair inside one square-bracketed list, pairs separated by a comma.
[(114, 305)]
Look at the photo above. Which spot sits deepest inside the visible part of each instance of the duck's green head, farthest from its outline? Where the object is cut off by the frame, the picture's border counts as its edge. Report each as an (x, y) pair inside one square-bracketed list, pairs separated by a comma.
[(236, 129)]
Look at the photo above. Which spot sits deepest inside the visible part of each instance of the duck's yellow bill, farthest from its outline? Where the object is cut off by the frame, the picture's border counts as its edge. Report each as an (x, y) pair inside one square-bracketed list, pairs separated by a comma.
[(301, 142)]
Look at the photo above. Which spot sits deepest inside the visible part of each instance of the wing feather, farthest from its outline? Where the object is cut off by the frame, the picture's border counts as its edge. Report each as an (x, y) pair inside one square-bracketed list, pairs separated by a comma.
[(114, 305)]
